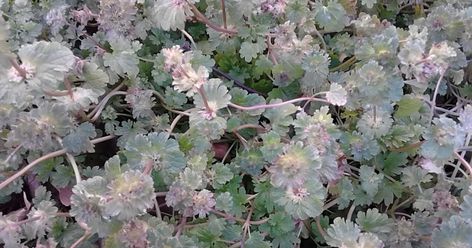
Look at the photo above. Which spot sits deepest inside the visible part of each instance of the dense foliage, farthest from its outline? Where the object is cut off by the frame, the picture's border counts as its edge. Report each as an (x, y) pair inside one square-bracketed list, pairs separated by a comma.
[(235, 123)]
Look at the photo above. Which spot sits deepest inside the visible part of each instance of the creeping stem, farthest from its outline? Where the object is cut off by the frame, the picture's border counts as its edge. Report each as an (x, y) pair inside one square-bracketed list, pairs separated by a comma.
[(44, 158)]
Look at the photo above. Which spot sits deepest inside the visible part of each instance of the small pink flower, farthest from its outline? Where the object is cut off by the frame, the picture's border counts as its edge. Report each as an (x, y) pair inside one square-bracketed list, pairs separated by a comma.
[(203, 202)]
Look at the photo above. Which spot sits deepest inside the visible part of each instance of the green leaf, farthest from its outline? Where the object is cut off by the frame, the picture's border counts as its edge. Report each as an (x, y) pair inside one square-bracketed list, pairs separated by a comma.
[(123, 60), (373, 221), (342, 232), (78, 141), (216, 94), (47, 62), (408, 106), (95, 78), (250, 50), (452, 233), (413, 176), (369, 3), (62, 177), (370, 180), (331, 17), (280, 118), (159, 150), (257, 241)]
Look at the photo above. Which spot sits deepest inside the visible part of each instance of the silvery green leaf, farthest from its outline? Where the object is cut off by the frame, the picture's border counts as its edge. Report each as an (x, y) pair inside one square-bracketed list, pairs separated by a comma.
[(171, 15), (45, 63), (280, 118), (332, 17), (156, 148), (452, 233), (129, 195), (342, 232), (373, 221), (80, 99), (250, 50), (44, 212), (123, 60), (216, 95), (370, 180), (78, 141), (336, 95), (369, 3), (95, 78)]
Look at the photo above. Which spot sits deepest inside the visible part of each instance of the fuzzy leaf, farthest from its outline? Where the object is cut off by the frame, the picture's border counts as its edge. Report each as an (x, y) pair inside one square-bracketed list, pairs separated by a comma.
[(123, 60), (342, 232), (78, 141), (216, 94)]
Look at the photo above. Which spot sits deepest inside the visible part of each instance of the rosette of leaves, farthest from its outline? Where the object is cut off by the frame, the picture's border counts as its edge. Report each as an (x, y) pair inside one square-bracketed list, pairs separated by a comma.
[(381, 45), (158, 149), (319, 132), (142, 102), (116, 17), (372, 85), (99, 202), (301, 201), (375, 121), (43, 215), (362, 147), (129, 194), (87, 204), (36, 129), (316, 69), (296, 165), (442, 138)]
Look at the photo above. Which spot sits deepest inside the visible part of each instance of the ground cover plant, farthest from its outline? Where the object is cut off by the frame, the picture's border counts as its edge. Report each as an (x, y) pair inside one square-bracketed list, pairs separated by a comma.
[(235, 123)]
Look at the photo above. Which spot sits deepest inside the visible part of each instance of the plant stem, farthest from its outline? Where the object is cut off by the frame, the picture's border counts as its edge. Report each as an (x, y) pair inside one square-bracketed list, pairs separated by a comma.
[(323, 43), (46, 157), (350, 212), (13, 153), (202, 18), (87, 233), (223, 10), (96, 107), (433, 101), (98, 110), (189, 37), (242, 221), (464, 162), (72, 162), (276, 105), (18, 68), (201, 91), (462, 154)]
